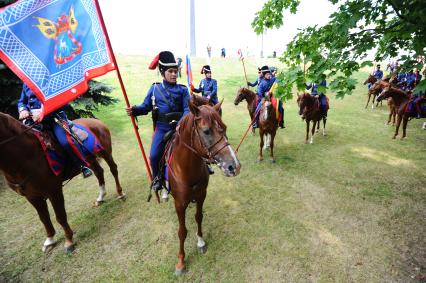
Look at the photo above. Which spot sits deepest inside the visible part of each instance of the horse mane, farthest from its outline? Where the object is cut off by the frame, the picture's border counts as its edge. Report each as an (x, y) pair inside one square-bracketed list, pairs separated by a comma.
[(246, 90), (399, 91), (12, 123), (210, 116)]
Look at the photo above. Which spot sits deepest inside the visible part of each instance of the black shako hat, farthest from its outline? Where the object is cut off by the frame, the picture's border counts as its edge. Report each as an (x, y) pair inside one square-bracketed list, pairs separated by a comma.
[(206, 69), (164, 60), (265, 70)]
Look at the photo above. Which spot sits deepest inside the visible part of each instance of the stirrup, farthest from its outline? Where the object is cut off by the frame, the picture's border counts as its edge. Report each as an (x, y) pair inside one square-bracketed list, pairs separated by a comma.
[(86, 172), (156, 184)]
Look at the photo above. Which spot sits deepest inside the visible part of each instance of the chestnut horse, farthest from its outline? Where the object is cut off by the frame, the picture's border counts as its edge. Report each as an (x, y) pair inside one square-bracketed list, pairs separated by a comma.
[(401, 100), (309, 106), (268, 125), (200, 138), (371, 79), (250, 97), (27, 172), (376, 89)]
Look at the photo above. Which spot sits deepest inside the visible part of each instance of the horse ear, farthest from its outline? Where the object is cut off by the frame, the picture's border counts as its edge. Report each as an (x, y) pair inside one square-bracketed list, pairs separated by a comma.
[(218, 106), (193, 108)]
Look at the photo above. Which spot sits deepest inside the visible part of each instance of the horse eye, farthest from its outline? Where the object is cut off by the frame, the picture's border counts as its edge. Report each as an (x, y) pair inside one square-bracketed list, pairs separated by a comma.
[(207, 132)]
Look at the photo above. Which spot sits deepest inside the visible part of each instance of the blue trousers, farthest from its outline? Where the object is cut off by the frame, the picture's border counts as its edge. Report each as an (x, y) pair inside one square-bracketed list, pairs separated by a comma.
[(61, 136), (157, 147)]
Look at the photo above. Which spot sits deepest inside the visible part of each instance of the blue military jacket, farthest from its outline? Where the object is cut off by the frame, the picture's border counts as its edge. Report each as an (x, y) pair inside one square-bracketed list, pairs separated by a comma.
[(29, 101), (314, 87), (167, 97), (264, 86), (208, 87), (378, 74), (257, 82)]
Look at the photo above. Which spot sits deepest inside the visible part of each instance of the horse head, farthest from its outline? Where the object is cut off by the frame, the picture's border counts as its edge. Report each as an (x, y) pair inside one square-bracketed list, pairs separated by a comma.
[(199, 100), (241, 95), (303, 100), (212, 144), (385, 93), (371, 79), (266, 107)]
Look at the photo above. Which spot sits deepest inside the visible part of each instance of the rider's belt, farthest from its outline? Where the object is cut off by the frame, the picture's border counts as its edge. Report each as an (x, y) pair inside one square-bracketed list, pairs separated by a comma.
[(169, 117)]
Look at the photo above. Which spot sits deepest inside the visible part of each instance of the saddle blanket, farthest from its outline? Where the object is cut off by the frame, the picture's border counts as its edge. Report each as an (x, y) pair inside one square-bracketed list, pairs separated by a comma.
[(57, 159)]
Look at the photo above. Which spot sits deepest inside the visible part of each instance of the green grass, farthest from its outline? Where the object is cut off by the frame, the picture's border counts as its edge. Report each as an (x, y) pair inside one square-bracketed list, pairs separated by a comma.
[(350, 207)]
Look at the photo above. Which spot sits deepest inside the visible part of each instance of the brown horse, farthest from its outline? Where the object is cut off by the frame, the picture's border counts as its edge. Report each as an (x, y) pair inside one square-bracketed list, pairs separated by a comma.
[(200, 138), (371, 79), (250, 97), (309, 106), (27, 172), (268, 125), (376, 89), (401, 100)]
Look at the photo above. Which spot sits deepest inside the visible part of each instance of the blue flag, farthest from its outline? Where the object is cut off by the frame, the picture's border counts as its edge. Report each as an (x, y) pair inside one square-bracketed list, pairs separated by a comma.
[(55, 47)]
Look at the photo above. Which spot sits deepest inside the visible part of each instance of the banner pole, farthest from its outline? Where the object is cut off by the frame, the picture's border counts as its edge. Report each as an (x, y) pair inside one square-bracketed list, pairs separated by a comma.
[(123, 89), (244, 67)]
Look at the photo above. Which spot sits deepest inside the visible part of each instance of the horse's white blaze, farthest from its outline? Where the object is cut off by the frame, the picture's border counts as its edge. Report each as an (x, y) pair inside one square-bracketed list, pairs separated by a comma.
[(49, 241), (234, 157), (200, 242), (102, 193), (265, 114)]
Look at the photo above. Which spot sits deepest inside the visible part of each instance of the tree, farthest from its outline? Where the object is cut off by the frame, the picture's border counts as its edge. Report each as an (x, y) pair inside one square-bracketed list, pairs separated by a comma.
[(340, 48), (11, 86)]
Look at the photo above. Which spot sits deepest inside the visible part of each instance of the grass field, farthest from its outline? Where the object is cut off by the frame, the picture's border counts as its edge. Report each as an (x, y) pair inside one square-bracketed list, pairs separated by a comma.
[(349, 208)]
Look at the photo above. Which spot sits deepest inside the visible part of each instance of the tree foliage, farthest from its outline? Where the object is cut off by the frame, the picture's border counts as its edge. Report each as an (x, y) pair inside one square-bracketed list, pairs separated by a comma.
[(390, 28), (84, 106)]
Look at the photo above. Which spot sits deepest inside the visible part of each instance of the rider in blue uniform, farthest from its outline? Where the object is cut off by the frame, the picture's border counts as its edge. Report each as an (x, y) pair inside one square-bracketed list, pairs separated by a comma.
[(378, 74), (168, 102), (30, 109), (208, 86), (257, 81), (263, 90), (321, 96)]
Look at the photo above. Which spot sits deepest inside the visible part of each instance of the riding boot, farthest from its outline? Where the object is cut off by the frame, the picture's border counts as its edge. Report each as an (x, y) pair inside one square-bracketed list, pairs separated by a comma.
[(210, 169), (156, 184), (86, 172), (281, 124)]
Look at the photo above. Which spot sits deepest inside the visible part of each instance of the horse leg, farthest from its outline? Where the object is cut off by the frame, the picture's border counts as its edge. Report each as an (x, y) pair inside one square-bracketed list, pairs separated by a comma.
[(374, 99), (43, 213), (307, 131), (99, 173), (324, 121), (318, 126), (313, 131), (404, 126), (260, 158), (272, 146), (113, 168), (267, 141), (398, 123), (58, 203), (201, 245), (180, 207), (393, 116), (369, 95)]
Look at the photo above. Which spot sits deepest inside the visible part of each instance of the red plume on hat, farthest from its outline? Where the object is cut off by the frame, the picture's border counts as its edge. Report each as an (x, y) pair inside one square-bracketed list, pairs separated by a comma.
[(154, 62)]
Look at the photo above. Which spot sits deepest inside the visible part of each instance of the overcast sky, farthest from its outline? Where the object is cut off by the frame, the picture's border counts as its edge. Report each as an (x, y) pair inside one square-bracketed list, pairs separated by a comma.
[(147, 27)]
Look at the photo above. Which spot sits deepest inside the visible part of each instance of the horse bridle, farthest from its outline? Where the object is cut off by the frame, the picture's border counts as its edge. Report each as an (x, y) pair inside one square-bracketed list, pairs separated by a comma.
[(208, 154)]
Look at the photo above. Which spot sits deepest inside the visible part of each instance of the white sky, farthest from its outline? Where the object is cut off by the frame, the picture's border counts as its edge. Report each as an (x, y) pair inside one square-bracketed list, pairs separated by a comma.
[(147, 27)]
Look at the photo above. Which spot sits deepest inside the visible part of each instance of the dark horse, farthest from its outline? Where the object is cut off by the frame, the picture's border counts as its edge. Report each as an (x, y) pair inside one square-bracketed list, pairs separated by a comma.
[(401, 100), (309, 106), (250, 97), (200, 138), (27, 171), (268, 125)]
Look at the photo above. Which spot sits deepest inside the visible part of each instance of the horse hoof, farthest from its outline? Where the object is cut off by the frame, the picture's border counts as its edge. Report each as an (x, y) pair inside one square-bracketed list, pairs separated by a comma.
[(259, 159), (180, 271), (70, 249), (122, 197), (48, 248), (203, 249), (273, 160), (394, 137), (98, 203)]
